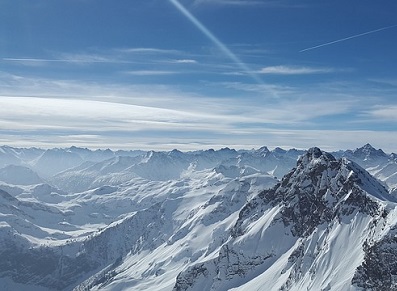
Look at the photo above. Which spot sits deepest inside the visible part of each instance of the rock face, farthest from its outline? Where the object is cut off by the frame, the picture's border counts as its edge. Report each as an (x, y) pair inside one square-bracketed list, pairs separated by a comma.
[(211, 220), (59, 268), (378, 271), (289, 237), (322, 189)]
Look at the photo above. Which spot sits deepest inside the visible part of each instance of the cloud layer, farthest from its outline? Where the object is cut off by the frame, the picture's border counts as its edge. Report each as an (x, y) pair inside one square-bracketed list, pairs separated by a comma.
[(197, 73), (42, 111), (293, 70)]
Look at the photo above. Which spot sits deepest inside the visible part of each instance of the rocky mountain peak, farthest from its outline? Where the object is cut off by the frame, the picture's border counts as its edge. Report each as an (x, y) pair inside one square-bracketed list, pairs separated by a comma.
[(279, 151), (327, 225), (263, 150), (315, 156), (320, 189), (368, 151), (320, 196)]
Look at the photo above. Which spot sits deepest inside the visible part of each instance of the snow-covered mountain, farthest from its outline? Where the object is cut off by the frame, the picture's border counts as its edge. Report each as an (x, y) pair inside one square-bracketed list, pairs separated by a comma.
[(163, 166), (311, 231), (50, 162), (19, 175), (204, 220), (381, 165), (90, 234), (70, 161)]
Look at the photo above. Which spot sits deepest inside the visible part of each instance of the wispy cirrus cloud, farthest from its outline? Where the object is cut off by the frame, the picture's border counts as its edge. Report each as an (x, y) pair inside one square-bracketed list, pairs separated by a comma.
[(79, 101), (294, 70), (184, 61), (67, 58), (148, 50), (114, 56), (149, 61), (90, 58), (151, 72), (389, 81), (62, 112), (382, 112)]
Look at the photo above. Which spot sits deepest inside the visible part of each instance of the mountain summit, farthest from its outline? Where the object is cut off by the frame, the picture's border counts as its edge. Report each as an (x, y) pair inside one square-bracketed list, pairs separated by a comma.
[(205, 220), (306, 233)]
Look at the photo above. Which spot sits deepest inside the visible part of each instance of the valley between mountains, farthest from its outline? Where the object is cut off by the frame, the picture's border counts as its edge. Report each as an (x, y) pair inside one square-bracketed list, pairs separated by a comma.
[(260, 219)]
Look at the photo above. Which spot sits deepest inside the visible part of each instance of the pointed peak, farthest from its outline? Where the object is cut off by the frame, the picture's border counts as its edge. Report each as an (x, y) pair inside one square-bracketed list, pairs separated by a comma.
[(368, 150), (175, 152), (368, 146), (263, 150), (279, 150), (316, 153)]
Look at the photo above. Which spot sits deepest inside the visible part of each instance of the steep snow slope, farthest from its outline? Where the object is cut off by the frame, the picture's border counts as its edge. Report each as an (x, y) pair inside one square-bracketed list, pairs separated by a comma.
[(163, 166), (155, 217), (53, 161), (8, 156), (91, 175), (195, 221), (19, 175), (306, 233), (276, 162), (191, 226), (381, 165)]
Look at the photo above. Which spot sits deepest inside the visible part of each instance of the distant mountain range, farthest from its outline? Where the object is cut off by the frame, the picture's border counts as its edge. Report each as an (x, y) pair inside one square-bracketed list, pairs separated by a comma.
[(260, 219)]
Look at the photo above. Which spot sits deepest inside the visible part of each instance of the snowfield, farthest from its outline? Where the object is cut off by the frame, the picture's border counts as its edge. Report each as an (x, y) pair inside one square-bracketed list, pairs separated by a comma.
[(76, 219)]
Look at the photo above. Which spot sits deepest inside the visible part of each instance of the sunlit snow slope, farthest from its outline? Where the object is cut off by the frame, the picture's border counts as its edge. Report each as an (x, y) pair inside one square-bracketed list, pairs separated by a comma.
[(76, 219)]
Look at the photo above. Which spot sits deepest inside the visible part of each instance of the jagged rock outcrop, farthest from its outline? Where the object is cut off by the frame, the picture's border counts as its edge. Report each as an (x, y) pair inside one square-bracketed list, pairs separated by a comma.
[(378, 272), (290, 230), (60, 267), (327, 225)]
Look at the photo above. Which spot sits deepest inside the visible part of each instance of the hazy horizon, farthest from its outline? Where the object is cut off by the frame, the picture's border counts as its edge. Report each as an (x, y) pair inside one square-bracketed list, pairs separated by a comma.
[(190, 74)]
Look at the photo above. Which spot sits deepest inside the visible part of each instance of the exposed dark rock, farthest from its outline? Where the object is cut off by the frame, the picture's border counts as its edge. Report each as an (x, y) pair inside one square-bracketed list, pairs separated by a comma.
[(378, 272)]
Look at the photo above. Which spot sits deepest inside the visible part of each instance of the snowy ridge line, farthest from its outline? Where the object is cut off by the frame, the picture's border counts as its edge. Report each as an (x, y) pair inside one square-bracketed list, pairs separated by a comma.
[(205, 220), (343, 200), (60, 166)]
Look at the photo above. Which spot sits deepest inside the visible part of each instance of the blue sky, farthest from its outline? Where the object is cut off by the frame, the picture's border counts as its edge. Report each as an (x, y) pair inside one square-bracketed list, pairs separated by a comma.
[(197, 74)]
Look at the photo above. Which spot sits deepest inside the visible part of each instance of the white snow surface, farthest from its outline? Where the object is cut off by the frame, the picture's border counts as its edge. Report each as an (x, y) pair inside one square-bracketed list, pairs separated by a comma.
[(141, 221)]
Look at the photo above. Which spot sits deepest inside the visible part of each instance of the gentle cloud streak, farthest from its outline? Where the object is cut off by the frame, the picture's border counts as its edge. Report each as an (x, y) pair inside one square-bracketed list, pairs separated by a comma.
[(152, 72), (78, 108), (198, 73), (185, 61), (388, 113), (288, 70)]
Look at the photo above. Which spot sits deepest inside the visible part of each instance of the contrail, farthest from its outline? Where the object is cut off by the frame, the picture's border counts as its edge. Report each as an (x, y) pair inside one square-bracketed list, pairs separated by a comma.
[(347, 38), (214, 39)]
